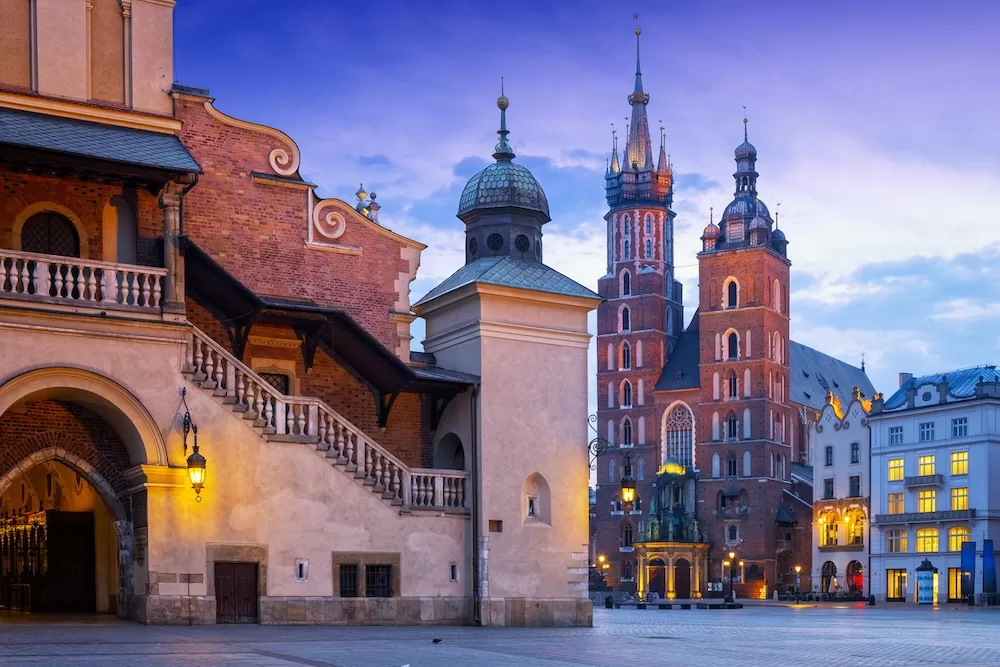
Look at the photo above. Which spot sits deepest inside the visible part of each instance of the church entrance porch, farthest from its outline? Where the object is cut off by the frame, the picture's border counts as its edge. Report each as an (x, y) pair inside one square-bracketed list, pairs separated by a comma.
[(672, 570)]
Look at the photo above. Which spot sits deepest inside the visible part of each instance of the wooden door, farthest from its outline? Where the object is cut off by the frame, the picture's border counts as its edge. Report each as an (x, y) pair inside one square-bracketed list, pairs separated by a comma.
[(236, 592), (682, 579)]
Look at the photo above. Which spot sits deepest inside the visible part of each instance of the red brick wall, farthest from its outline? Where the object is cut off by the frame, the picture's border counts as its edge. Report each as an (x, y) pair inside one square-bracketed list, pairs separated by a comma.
[(44, 424), (258, 232), (86, 199)]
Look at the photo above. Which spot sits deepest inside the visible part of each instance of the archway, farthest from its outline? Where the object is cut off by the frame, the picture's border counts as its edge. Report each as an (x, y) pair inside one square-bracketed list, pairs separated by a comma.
[(829, 578), (657, 577), (682, 579), (449, 454), (855, 577)]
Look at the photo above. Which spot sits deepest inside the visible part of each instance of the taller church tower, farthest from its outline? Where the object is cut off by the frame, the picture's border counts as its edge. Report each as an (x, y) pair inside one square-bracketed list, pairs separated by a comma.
[(638, 325), (743, 434)]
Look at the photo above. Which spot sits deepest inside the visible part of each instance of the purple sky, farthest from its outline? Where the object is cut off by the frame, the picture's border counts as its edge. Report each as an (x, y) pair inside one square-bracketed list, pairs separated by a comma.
[(877, 125)]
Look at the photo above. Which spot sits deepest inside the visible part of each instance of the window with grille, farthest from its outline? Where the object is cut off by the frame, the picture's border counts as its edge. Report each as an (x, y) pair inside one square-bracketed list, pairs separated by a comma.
[(896, 503), (828, 452), (959, 427), (895, 435), (926, 431), (279, 381), (828, 488), (855, 483), (895, 470), (960, 498), (960, 463), (348, 581), (49, 233), (927, 501), (378, 581), (855, 452), (926, 464), (895, 542), (927, 540)]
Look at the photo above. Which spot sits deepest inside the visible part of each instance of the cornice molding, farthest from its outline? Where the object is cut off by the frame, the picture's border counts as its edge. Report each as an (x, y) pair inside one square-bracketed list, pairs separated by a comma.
[(94, 114)]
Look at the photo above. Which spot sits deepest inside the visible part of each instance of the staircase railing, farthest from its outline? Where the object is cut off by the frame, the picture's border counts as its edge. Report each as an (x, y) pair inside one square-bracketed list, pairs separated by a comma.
[(312, 419)]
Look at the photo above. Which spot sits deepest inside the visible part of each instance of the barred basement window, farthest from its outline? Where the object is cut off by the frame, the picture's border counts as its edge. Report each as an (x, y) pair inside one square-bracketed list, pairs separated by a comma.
[(279, 381), (348, 581), (378, 581)]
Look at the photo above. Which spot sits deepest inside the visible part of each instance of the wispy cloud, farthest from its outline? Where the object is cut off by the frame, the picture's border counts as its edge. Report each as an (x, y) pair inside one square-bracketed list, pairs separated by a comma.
[(966, 310)]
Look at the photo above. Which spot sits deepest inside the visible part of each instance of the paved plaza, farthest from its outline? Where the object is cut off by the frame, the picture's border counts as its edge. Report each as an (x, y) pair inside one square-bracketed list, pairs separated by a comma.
[(772, 636)]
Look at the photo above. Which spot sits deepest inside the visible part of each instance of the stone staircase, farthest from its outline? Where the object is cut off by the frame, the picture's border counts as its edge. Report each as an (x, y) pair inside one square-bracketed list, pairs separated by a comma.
[(313, 423)]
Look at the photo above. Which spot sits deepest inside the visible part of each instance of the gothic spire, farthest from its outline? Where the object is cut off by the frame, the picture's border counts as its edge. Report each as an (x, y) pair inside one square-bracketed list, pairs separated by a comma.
[(640, 148), (662, 164), (615, 166)]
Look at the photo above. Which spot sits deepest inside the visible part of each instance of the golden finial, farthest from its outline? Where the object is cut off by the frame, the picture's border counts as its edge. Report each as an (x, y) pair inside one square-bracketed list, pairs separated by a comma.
[(502, 101)]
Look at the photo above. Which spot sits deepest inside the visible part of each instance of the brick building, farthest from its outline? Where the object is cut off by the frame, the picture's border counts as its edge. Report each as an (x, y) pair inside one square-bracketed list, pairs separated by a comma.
[(164, 266), (729, 398)]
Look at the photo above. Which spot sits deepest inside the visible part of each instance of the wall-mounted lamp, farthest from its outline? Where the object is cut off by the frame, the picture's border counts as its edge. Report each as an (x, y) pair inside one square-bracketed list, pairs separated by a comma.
[(196, 462)]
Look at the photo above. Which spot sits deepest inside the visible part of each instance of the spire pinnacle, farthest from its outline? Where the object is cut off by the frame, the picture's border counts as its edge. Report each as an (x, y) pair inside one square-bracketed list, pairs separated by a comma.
[(615, 166), (638, 70), (503, 151), (745, 123), (776, 212), (711, 213)]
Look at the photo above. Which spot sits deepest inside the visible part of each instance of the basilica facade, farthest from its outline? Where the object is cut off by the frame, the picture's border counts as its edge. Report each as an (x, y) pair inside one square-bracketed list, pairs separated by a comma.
[(713, 417), (209, 406)]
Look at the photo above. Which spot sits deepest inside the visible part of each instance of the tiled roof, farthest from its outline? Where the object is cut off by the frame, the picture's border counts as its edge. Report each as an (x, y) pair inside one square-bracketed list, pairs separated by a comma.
[(681, 371), (814, 374), (95, 140), (961, 384), (803, 471), (510, 272)]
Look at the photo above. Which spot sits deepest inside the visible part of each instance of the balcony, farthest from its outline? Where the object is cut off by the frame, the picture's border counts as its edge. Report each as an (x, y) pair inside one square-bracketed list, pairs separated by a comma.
[(74, 282), (925, 517), (923, 480), (842, 547)]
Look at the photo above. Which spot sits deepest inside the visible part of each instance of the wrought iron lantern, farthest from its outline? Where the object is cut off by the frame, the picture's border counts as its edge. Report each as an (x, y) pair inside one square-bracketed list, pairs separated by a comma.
[(628, 483), (195, 462), (598, 447)]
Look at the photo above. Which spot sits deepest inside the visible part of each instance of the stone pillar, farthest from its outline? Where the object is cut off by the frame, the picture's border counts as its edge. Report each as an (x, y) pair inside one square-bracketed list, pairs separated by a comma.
[(170, 206), (642, 575), (696, 579), (671, 593), (127, 51)]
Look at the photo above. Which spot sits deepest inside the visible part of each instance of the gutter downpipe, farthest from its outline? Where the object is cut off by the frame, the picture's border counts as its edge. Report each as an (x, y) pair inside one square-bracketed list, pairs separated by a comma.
[(477, 618)]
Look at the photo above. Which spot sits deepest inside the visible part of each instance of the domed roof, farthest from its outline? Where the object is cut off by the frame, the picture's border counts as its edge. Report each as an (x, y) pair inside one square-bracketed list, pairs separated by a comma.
[(759, 223), (746, 206), (778, 236), (711, 231), (746, 150), (503, 184)]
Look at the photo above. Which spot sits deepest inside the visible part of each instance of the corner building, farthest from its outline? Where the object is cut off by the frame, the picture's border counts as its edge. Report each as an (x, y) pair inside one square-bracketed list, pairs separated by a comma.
[(210, 411), (729, 398)]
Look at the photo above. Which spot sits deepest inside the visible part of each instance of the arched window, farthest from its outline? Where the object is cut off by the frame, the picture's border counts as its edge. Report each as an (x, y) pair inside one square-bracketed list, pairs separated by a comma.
[(670, 321), (50, 233), (627, 249), (611, 470), (746, 463), (715, 386), (733, 345), (649, 249), (957, 536), (718, 347), (715, 466), (732, 294), (126, 231), (627, 570), (746, 423), (856, 528), (537, 501), (715, 426), (611, 395), (679, 435), (611, 357), (626, 284), (776, 296), (627, 535), (449, 454), (829, 574), (638, 354), (611, 431), (747, 345), (777, 348), (626, 320), (734, 390), (626, 362), (640, 469), (734, 533), (626, 401), (744, 498), (642, 393), (746, 383), (649, 224), (627, 433), (720, 501), (731, 466), (642, 431), (732, 427)]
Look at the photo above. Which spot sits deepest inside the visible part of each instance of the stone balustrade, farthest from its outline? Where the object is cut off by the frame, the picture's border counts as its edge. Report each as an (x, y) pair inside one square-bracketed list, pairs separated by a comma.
[(80, 282), (312, 421)]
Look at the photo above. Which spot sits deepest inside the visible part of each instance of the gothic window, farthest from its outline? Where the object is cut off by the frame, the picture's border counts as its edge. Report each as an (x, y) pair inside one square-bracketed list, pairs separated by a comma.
[(626, 284), (641, 399), (611, 395), (679, 435), (718, 347), (731, 466), (732, 294), (627, 432), (50, 233), (746, 383), (747, 337), (626, 356), (638, 354), (776, 296), (734, 391), (733, 346), (715, 466), (626, 320), (627, 537), (649, 249), (627, 250), (627, 571), (746, 423), (670, 321), (715, 386), (746, 463), (715, 426), (626, 401), (611, 431), (640, 469), (611, 471), (649, 224), (732, 427)]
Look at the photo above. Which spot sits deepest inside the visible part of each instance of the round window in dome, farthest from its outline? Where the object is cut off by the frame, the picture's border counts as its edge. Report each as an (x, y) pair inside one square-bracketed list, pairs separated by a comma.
[(494, 242), (521, 243)]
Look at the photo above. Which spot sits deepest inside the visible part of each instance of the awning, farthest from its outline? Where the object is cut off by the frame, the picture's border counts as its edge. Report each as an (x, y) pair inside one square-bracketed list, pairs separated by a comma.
[(72, 144)]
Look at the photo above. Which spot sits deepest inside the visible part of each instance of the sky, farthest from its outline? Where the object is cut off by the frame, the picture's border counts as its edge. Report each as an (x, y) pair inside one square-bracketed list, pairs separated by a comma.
[(877, 126)]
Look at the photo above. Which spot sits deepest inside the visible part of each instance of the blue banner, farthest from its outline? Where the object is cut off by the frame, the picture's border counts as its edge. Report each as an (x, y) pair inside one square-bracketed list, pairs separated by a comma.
[(989, 568), (969, 570)]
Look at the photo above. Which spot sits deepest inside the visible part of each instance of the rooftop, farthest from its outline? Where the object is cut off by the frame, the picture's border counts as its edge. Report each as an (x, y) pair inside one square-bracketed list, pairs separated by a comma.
[(961, 384)]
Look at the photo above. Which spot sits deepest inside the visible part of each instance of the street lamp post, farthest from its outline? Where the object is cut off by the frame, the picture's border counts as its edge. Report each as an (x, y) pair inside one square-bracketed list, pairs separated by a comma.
[(798, 581), (732, 564), (727, 565)]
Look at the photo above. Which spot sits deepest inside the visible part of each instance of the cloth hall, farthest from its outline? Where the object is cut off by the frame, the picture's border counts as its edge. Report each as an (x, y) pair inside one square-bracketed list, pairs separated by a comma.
[(209, 406), (713, 418)]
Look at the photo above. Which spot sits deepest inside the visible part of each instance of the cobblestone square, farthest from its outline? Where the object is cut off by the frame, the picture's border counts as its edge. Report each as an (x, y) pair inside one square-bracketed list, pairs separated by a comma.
[(813, 636)]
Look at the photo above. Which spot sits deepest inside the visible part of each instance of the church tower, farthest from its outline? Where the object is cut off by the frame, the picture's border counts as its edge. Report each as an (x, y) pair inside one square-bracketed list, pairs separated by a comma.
[(638, 325), (743, 434)]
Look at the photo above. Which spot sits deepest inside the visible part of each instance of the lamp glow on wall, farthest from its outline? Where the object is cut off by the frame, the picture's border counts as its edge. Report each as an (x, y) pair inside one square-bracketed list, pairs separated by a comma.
[(195, 462), (628, 484)]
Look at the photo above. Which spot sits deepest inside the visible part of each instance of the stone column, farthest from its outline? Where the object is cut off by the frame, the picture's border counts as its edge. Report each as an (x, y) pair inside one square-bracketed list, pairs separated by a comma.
[(696, 579), (127, 51), (641, 574), (671, 593), (170, 206)]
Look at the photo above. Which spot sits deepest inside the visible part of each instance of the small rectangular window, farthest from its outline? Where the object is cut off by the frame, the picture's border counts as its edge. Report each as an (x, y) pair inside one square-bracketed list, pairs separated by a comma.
[(855, 486), (895, 470), (532, 506), (829, 455), (926, 431), (960, 498), (855, 452), (828, 488), (301, 569), (960, 463), (896, 503), (454, 571), (349, 581), (927, 501), (378, 581), (926, 464), (895, 435), (959, 427), (496, 526)]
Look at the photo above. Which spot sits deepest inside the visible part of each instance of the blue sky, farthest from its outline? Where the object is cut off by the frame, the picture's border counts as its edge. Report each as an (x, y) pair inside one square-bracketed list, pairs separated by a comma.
[(877, 125)]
